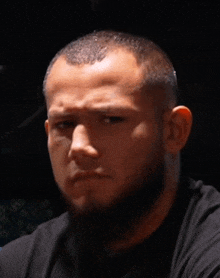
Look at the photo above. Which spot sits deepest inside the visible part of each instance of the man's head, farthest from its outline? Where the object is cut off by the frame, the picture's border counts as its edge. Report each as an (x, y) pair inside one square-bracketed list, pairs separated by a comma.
[(112, 123)]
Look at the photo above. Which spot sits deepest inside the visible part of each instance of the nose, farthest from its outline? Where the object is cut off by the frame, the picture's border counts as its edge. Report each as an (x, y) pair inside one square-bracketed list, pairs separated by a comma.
[(81, 146)]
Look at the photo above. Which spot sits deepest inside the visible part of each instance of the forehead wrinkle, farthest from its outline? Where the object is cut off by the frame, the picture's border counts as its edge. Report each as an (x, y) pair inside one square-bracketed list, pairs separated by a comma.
[(111, 100), (95, 106)]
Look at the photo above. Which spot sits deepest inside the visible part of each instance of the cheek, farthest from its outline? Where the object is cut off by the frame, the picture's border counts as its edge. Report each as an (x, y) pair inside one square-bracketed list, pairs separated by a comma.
[(58, 152), (148, 133), (58, 148), (142, 131), (143, 140), (145, 145), (129, 151)]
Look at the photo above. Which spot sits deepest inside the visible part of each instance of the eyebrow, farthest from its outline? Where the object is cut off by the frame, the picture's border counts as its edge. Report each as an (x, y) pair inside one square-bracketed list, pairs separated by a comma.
[(57, 114), (102, 109)]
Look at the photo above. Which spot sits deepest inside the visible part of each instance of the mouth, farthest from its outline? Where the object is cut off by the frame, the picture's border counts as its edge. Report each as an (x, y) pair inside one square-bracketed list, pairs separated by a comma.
[(83, 176)]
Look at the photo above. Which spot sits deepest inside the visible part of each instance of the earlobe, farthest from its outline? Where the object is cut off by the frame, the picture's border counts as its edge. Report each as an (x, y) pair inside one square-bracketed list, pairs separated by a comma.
[(46, 126), (178, 128)]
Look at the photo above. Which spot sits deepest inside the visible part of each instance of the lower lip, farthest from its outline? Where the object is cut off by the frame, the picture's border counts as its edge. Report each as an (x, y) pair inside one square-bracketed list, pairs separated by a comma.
[(86, 181), (89, 179)]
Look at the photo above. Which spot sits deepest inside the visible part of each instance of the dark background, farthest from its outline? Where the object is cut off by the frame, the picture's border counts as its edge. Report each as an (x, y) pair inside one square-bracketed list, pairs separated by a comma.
[(30, 35)]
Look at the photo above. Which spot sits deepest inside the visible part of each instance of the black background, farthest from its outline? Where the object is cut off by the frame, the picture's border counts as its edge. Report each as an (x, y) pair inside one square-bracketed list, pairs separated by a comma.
[(31, 33)]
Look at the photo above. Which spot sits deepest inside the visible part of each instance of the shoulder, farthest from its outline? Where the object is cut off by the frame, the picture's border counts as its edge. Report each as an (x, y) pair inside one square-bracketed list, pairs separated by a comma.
[(16, 256), (204, 207), (197, 252)]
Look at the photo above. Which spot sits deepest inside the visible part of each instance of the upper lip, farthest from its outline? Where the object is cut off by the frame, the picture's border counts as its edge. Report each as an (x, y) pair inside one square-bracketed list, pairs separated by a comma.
[(86, 175)]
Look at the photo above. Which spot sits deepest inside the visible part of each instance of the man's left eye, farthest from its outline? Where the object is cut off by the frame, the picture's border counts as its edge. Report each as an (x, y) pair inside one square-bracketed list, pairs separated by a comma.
[(113, 120)]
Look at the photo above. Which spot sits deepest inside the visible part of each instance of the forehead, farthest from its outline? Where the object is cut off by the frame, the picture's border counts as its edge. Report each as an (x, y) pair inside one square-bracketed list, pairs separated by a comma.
[(112, 82), (118, 67)]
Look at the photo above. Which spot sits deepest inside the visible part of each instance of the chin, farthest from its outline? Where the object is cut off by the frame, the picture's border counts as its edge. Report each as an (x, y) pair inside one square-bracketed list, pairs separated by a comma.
[(82, 206)]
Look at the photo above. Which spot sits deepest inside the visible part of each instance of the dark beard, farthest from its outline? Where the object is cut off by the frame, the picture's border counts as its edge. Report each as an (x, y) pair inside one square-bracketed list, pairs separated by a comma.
[(110, 224), (95, 230)]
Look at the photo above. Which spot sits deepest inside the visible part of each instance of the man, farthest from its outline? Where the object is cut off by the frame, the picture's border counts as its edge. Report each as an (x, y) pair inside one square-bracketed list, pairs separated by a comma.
[(115, 134)]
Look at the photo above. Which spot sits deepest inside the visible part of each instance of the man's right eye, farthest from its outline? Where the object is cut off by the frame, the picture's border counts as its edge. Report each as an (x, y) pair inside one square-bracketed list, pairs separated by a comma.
[(64, 125)]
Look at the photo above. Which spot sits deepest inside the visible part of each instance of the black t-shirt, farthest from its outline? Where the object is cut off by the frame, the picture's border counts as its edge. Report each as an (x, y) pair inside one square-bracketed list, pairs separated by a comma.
[(186, 245)]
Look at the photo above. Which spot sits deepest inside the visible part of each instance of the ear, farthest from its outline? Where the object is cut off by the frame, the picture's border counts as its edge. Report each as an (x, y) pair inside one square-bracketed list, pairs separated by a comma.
[(46, 126), (177, 128)]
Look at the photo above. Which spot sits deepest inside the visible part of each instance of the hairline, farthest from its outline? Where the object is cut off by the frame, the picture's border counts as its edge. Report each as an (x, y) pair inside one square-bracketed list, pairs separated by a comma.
[(111, 49), (147, 76)]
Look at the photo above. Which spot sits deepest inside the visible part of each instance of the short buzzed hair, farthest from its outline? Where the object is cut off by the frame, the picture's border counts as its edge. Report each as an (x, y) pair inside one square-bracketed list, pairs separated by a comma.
[(94, 47)]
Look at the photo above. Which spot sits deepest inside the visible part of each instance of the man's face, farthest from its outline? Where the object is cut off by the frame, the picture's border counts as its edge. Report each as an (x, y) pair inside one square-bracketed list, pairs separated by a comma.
[(104, 140)]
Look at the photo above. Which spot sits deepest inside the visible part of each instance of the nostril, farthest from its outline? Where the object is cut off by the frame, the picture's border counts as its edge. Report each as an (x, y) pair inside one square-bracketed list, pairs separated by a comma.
[(87, 151)]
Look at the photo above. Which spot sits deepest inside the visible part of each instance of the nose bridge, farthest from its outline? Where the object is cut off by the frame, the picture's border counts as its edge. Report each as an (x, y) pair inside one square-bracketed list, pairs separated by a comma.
[(81, 145), (80, 137)]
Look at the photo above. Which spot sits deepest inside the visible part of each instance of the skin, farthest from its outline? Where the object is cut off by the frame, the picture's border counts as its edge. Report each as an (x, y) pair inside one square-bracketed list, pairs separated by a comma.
[(104, 138)]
